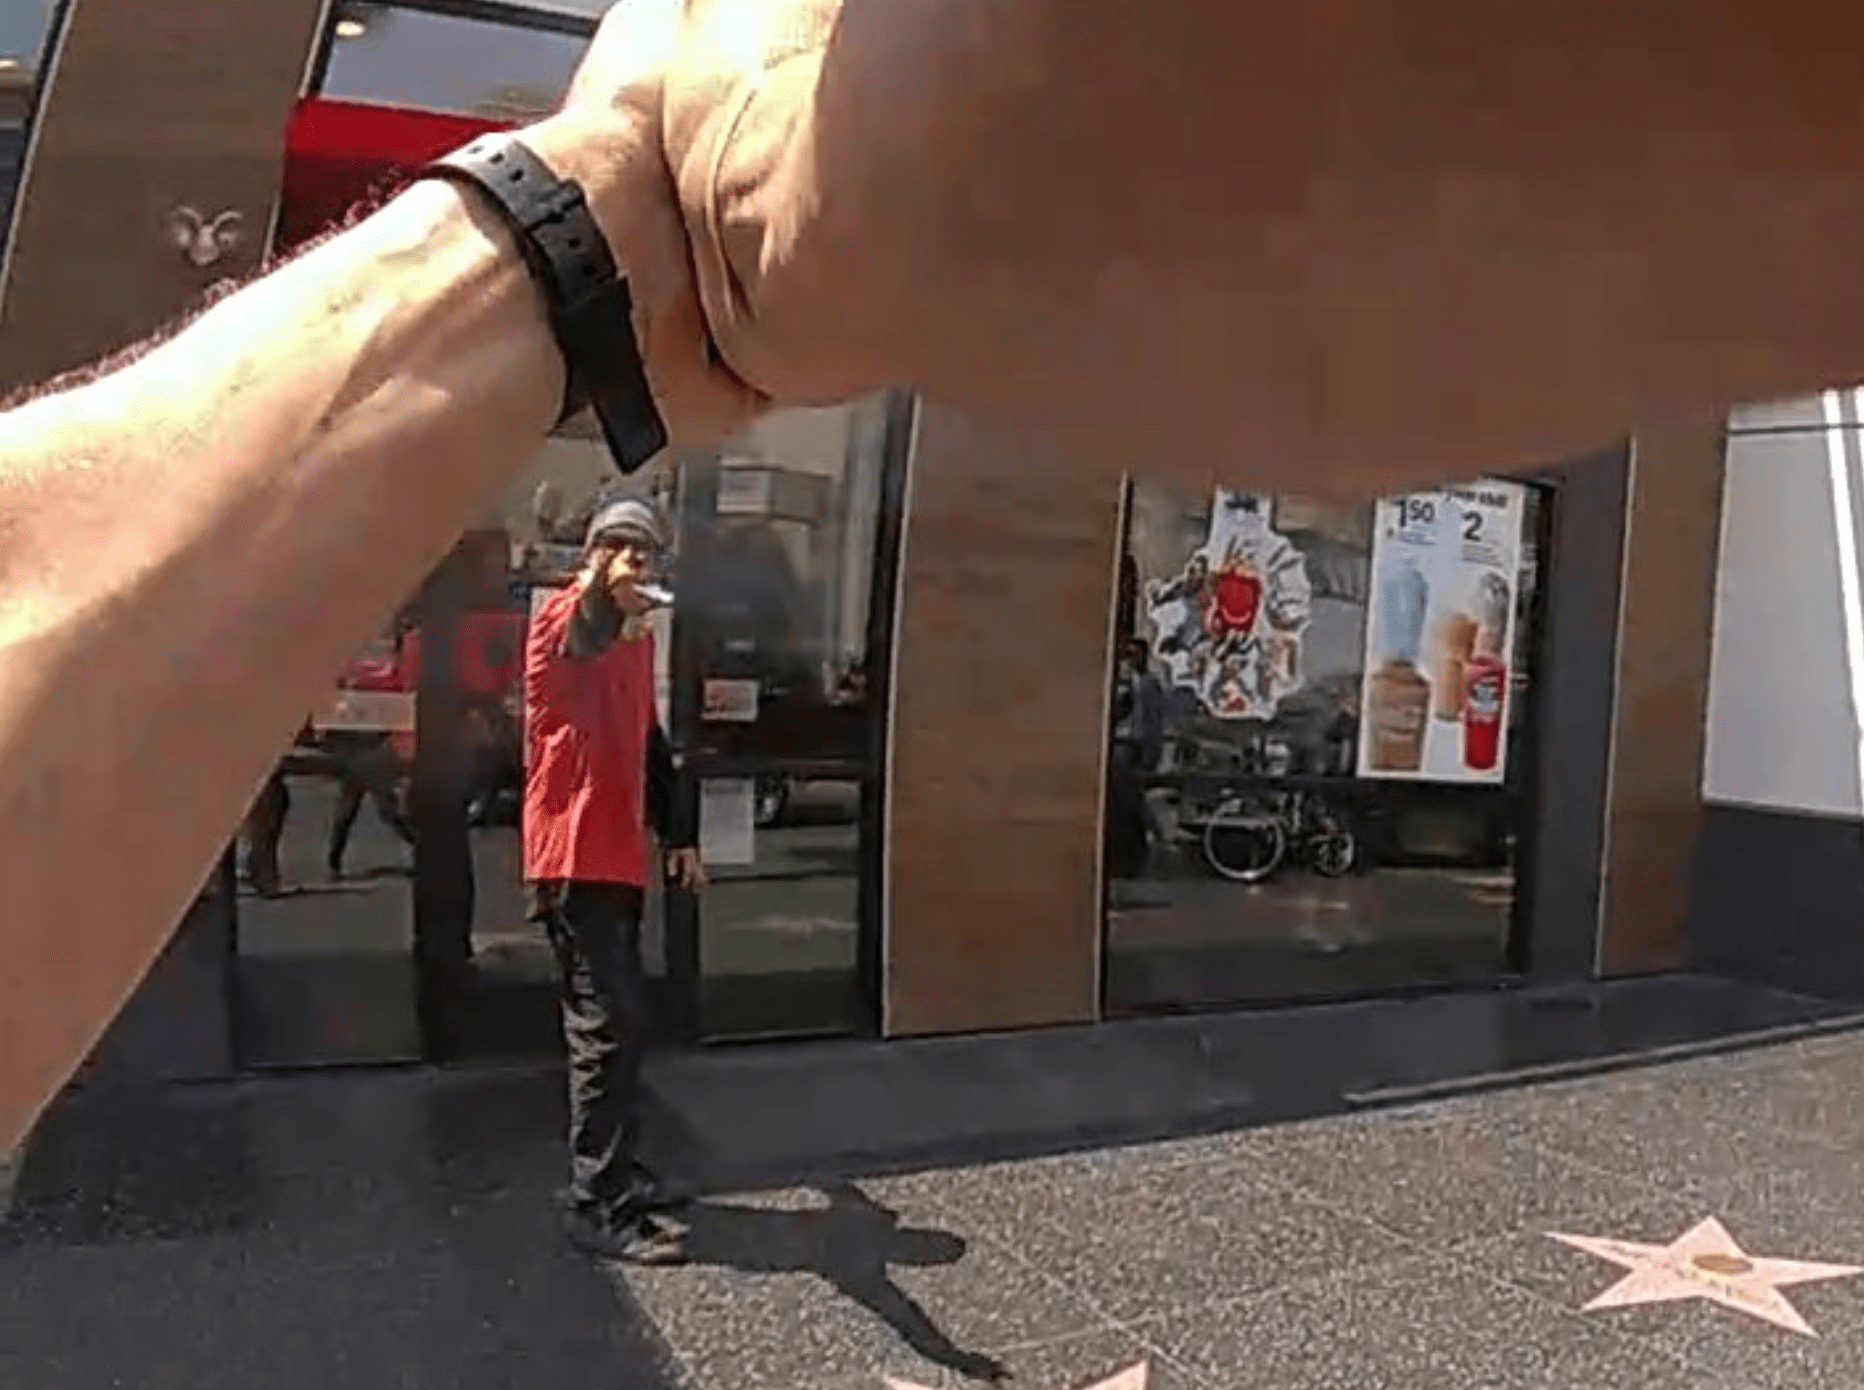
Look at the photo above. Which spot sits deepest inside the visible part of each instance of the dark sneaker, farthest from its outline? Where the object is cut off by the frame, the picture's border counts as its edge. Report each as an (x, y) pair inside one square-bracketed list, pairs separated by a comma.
[(631, 1236), (645, 1193), (263, 882), (648, 1192)]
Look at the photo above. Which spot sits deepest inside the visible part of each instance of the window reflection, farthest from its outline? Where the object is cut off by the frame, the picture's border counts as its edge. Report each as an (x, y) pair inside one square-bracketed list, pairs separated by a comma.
[(774, 546), (776, 586), (25, 31), (528, 546), (325, 933), (774, 543), (450, 63), (780, 534), (779, 921), (24, 27), (1312, 775)]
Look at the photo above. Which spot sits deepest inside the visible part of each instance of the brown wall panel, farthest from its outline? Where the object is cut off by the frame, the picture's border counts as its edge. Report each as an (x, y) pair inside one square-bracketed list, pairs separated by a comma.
[(1654, 815), (150, 108), (999, 733)]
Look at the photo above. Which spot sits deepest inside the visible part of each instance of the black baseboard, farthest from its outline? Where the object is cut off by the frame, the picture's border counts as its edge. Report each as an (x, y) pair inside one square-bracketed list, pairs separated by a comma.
[(1779, 901)]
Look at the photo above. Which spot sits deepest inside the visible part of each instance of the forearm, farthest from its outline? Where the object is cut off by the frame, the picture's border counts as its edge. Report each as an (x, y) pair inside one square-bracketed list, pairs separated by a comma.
[(193, 545), (1350, 243)]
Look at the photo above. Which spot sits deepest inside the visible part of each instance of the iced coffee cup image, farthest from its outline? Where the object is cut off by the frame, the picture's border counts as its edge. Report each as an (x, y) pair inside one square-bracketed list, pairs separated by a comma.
[(1398, 693), (1494, 601), (1453, 643)]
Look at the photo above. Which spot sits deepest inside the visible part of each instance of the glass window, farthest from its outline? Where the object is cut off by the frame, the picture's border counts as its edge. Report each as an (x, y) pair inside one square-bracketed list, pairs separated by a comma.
[(25, 33), (1317, 741), (398, 87), (780, 546), (375, 878), (777, 561), (528, 547), (325, 963), (25, 26), (450, 63), (780, 922), (762, 682)]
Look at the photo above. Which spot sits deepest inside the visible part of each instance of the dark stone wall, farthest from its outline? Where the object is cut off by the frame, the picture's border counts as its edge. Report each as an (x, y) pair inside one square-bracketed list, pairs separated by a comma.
[(1779, 900)]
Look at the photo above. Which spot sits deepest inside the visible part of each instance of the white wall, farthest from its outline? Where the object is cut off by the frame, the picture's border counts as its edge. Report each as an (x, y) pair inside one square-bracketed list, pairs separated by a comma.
[(1788, 658)]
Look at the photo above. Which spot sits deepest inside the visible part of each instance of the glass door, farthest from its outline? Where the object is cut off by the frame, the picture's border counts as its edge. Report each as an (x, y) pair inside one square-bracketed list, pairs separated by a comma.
[(770, 681), (488, 975), (392, 86), (779, 635), (787, 545)]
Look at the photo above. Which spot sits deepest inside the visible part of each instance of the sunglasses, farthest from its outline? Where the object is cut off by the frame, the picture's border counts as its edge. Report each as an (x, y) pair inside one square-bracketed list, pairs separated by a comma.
[(656, 563)]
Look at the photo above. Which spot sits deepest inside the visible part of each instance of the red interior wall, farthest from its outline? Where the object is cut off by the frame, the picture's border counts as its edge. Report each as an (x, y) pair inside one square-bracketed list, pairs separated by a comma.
[(345, 156)]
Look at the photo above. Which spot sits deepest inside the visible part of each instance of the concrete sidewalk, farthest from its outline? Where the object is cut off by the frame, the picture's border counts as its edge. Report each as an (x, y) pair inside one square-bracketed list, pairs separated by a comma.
[(1401, 1248), (393, 1230)]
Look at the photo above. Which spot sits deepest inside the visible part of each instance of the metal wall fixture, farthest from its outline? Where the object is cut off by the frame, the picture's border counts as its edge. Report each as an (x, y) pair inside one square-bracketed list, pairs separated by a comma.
[(203, 240)]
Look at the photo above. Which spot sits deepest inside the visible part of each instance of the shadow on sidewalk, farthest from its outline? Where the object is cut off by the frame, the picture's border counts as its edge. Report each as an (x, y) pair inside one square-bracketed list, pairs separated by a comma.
[(850, 1245), (373, 1232)]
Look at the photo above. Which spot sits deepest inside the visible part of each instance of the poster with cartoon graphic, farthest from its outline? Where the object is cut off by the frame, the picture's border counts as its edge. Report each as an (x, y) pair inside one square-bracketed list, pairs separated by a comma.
[(1440, 633), (1229, 625)]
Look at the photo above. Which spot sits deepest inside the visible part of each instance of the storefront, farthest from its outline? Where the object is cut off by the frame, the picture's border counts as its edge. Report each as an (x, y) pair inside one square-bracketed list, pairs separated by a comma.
[(981, 737)]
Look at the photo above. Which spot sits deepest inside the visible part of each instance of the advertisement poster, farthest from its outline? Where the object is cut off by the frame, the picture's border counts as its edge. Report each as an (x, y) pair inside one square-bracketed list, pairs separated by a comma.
[(728, 820), (1439, 634), (726, 701), (1229, 625)]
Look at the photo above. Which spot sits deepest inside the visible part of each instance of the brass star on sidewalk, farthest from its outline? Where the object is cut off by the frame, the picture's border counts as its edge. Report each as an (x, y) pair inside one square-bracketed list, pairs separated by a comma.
[(1704, 1262), (1132, 1378)]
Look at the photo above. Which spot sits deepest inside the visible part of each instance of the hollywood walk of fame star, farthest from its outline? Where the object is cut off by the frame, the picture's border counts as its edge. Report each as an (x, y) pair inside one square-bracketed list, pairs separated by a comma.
[(1132, 1378), (1704, 1262)]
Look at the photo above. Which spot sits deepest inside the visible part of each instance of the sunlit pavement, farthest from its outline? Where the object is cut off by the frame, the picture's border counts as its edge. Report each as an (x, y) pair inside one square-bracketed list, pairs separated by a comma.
[(392, 1229)]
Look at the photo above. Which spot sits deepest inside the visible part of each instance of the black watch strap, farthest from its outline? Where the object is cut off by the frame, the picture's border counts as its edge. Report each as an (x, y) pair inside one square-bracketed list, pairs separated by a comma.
[(590, 307)]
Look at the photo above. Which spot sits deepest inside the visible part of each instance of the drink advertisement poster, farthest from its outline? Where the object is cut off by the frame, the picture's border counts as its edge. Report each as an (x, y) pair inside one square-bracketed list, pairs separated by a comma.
[(1439, 634)]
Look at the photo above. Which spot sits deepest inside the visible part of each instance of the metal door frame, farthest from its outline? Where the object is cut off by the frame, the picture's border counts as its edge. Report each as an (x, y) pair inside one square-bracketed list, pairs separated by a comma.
[(698, 497)]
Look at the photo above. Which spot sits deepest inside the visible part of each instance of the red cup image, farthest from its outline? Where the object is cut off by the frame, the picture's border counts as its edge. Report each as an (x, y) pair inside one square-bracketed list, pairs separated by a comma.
[(1486, 693)]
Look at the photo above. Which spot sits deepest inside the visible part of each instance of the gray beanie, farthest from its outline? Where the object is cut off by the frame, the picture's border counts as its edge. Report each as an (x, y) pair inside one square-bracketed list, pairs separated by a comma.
[(629, 517)]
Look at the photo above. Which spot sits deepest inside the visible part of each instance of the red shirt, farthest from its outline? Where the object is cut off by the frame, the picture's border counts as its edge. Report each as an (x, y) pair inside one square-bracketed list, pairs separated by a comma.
[(586, 729), (486, 655)]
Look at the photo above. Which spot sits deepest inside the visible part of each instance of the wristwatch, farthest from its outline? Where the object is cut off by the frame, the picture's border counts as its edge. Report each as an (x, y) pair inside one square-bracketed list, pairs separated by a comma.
[(585, 294)]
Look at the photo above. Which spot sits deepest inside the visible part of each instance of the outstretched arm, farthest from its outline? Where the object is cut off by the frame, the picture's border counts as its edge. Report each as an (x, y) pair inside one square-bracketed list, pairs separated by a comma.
[(190, 546), (1334, 245), (1340, 245), (193, 545)]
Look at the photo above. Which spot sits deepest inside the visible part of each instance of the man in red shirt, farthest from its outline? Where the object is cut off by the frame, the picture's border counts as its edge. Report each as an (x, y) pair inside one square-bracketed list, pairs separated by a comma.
[(598, 773)]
